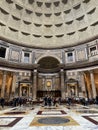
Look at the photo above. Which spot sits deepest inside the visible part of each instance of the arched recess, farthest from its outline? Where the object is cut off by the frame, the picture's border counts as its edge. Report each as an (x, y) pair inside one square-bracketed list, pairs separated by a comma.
[(50, 55), (48, 77), (48, 62)]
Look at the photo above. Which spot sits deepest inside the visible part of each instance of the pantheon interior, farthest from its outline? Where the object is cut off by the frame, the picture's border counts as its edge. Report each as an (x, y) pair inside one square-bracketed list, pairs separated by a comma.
[(49, 48)]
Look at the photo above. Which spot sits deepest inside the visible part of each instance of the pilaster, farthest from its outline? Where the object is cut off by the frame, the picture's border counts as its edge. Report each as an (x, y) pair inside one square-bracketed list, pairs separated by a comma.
[(62, 84), (34, 90)]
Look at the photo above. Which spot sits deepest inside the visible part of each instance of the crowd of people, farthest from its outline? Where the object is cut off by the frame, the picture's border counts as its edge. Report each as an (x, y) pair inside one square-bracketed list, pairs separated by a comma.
[(84, 100), (13, 102), (17, 101), (48, 101)]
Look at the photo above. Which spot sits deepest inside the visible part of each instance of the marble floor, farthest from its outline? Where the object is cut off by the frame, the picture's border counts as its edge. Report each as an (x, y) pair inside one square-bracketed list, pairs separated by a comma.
[(63, 117)]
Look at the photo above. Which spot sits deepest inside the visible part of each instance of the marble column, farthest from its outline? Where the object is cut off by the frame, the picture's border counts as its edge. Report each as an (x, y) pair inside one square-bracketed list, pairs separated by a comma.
[(93, 84), (20, 92), (76, 89), (53, 83), (28, 90), (89, 90), (34, 84), (83, 86), (13, 84), (9, 82), (62, 84), (3, 84)]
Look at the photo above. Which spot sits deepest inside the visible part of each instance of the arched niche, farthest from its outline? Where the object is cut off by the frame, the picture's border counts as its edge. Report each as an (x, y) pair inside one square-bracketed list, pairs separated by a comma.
[(48, 63)]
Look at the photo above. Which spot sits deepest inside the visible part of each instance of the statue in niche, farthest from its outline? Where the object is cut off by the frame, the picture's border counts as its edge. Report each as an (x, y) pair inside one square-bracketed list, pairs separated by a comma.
[(72, 91), (24, 91)]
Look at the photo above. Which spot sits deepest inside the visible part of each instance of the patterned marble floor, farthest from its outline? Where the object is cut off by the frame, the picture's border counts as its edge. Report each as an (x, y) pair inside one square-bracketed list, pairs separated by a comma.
[(76, 117)]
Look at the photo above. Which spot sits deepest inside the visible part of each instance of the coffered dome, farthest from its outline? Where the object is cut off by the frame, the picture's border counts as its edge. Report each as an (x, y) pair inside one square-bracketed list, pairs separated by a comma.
[(48, 23)]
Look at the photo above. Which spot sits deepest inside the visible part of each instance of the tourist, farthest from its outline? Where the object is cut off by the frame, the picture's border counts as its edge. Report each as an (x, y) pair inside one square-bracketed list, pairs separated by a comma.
[(69, 101), (2, 101), (96, 100), (20, 101), (49, 101), (14, 102), (54, 101), (45, 100), (59, 100)]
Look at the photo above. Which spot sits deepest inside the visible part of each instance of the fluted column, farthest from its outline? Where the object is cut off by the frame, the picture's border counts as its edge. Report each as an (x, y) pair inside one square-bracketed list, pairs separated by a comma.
[(83, 87), (62, 84), (3, 84), (34, 84), (9, 82), (93, 84), (20, 92), (53, 83), (13, 84), (89, 90)]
